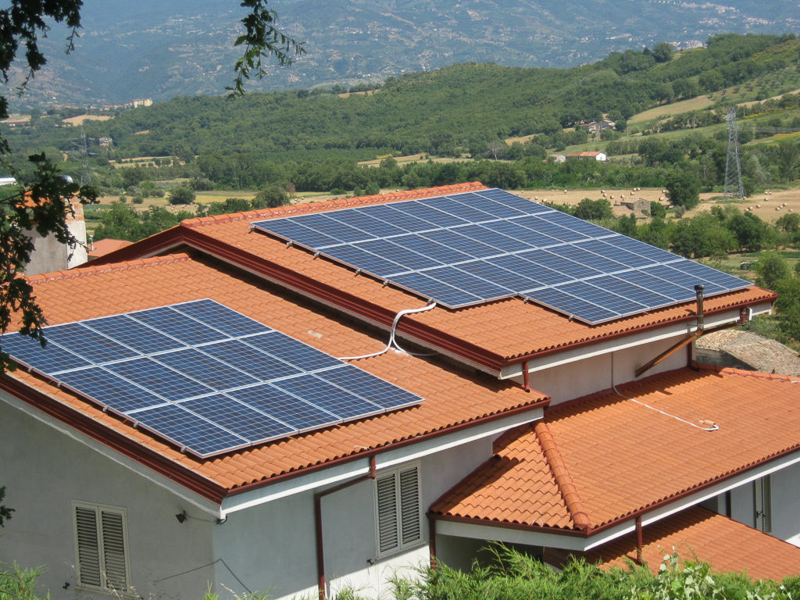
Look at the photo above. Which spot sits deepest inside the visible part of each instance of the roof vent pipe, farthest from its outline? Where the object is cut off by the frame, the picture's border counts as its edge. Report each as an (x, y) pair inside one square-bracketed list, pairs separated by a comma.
[(699, 288)]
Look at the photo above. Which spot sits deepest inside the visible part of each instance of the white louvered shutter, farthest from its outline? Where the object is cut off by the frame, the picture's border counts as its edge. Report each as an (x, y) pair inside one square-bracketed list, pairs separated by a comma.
[(86, 531), (409, 506), (101, 548), (387, 513), (116, 569)]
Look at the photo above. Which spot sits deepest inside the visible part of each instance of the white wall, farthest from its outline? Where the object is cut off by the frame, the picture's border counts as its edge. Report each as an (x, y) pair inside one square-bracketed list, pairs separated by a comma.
[(272, 546), (573, 380), (786, 504), (44, 471)]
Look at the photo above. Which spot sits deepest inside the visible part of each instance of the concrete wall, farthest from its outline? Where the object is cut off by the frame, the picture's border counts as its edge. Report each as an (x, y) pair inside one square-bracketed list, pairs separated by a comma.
[(271, 547), (45, 471)]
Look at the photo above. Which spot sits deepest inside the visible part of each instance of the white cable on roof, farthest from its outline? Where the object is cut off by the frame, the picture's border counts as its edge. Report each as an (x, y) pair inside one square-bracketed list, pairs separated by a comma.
[(392, 337), (715, 427), (658, 410)]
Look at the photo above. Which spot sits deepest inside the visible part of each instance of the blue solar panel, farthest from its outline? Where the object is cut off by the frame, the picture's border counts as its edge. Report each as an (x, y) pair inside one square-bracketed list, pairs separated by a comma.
[(29, 352), (205, 369), (377, 391), (295, 412), (179, 326), (187, 429), (488, 234), (109, 389), (291, 351), (237, 384), (241, 419), (221, 318), (318, 392), (88, 344), (439, 252), (133, 334)]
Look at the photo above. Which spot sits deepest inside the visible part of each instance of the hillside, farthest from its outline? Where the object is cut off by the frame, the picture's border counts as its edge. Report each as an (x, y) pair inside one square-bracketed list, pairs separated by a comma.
[(153, 49)]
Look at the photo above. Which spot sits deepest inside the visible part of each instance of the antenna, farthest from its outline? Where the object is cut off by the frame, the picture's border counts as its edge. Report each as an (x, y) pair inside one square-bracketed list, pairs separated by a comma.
[(733, 167)]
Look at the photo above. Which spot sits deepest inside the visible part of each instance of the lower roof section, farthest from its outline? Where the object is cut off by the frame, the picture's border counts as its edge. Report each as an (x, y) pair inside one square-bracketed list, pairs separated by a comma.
[(598, 461), (699, 535)]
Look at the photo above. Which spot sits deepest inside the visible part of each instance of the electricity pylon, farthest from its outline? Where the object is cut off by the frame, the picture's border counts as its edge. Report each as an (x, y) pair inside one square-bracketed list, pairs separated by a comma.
[(733, 166)]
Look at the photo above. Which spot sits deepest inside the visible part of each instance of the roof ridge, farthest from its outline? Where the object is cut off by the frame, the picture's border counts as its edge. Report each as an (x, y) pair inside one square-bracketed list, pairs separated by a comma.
[(564, 482), (288, 211), (105, 268)]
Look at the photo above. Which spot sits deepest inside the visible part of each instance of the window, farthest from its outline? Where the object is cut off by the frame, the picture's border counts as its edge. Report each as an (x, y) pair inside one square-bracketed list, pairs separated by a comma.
[(398, 509), (101, 547), (763, 503)]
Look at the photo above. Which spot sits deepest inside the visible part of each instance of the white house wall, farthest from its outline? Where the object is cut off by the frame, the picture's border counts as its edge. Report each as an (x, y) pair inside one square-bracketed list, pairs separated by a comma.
[(786, 504), (576, 379), (45, 472), (271, 546)]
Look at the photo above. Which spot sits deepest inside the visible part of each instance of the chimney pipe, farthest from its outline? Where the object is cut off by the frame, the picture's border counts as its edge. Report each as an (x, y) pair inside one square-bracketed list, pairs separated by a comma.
[(700, 318)]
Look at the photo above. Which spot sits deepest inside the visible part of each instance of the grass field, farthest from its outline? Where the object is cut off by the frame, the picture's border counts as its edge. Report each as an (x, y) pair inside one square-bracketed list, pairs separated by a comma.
[(676, 108)]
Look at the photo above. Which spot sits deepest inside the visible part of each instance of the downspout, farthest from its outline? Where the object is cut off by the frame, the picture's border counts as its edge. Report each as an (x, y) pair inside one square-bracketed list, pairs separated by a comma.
[(639, 541), (526, 377), (432, 538), (318, 521)]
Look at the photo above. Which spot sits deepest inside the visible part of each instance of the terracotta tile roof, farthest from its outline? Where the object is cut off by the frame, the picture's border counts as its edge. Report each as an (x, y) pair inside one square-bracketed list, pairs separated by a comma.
[(453, 397), (606, 457), (482, 333), (103, 247), (697, 534)]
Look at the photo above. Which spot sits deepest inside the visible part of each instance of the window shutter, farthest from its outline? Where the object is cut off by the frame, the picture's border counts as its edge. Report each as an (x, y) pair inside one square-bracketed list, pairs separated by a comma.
[(387, 513), (100, 536), (89, 571), (114, 551), (409, 506)]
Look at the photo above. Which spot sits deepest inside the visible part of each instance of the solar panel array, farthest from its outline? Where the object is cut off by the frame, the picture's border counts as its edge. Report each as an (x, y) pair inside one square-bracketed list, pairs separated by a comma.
[(476, 247), (206, 377)]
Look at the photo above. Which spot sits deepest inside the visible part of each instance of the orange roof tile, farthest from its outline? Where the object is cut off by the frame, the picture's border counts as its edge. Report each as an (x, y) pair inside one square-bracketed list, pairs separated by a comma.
[(699, 535), (609, 457), (453, 397), (105, 246)]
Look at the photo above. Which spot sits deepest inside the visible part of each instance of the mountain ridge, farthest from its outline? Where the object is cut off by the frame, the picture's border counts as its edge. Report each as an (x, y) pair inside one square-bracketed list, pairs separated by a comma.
[(157, 50)]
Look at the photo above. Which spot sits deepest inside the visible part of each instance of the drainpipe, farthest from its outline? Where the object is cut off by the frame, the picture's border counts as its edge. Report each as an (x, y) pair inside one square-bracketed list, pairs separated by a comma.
[(639, 541), (432, 538), (318, 521), (526, 377)]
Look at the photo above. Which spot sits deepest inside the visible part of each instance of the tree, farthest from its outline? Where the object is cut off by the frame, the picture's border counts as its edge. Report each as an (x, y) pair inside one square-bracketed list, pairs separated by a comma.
[(182, 194), (663, 52), (271, 196), (683, 188), (594, 210), (41, 203), (771, 268)]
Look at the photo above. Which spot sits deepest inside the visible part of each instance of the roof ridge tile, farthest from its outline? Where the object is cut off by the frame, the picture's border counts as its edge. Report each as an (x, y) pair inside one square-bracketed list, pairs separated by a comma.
[(564, 482), (106, 268), (307, 208)]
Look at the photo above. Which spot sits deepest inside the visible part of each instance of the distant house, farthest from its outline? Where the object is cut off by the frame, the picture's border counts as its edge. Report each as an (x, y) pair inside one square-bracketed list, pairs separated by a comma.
[(598, 126), (322, 396), (587, 155)]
